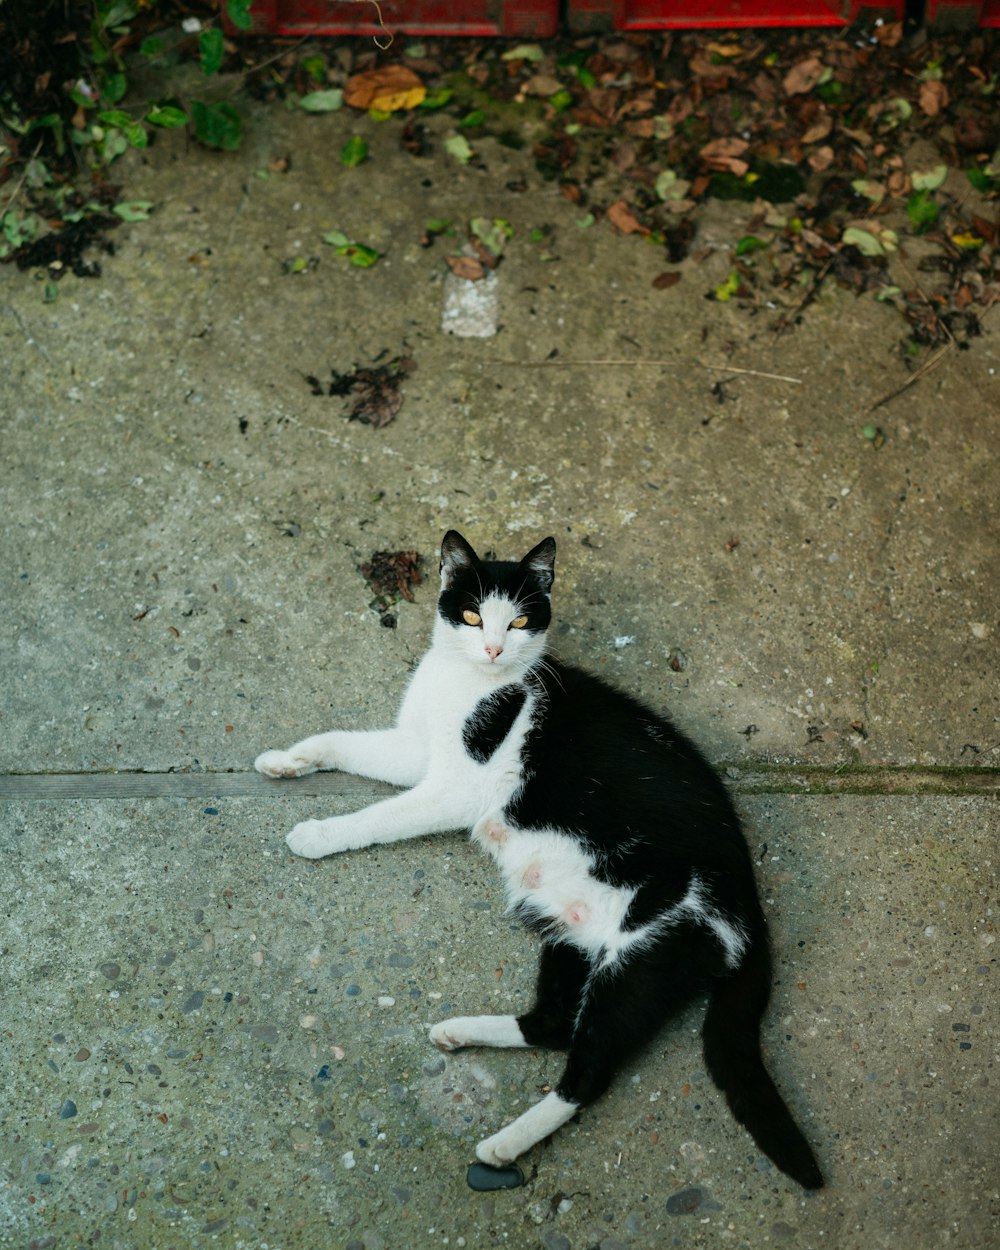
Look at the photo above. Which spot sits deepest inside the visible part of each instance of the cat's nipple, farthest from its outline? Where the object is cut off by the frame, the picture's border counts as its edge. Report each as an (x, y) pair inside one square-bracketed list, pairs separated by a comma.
[(496, 832), (532, 877), (576, 914)]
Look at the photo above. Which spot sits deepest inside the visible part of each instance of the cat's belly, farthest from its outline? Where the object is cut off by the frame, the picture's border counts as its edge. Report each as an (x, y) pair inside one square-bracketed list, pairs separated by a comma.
[(549, 880)]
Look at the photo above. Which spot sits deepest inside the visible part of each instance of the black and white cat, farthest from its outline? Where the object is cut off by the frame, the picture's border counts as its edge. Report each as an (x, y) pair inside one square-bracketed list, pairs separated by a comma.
[(616, 842)]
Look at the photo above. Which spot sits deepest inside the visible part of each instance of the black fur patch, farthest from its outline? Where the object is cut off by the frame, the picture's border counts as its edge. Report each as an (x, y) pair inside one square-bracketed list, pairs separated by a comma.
[(491, 722)]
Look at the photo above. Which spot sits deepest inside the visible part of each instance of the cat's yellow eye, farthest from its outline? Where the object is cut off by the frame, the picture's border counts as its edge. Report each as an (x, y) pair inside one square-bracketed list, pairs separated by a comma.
[(519, 622), (471, 618)]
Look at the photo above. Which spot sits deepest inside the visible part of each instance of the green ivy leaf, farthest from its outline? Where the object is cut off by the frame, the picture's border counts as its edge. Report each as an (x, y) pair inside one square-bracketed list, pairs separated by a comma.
[(523, 52), (866, 243), (115, 117), (116, 12), (169, 116), (436, 99), (114, 144), (922, 211), (217, 125), (322, 101), (493, 234), (113, 87), (726, 290), (929, 180), (357, 253), (133, 210), (238, 12), (211, 48), (354, 151), (458, 147), (749, 243), (361, 256), (152, 48)]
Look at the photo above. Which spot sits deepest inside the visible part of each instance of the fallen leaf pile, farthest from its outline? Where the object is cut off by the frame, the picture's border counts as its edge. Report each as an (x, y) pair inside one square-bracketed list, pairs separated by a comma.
[(372, 391), (62, 250), (391, 576), (869, 156), (833, 139)]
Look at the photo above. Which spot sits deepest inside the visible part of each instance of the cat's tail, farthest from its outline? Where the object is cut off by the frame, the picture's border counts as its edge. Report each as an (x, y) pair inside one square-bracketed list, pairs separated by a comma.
[(731, 1038)]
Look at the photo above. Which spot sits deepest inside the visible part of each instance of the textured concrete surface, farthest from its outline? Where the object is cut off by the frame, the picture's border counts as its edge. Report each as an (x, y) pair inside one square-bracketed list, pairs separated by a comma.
[(210, 1043)]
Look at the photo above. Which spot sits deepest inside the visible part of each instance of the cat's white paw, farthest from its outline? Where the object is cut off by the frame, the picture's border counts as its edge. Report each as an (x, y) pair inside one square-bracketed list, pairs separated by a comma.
[(283, 764), (312, 839), (446, 1036), (497, 1150), (462, 1031)]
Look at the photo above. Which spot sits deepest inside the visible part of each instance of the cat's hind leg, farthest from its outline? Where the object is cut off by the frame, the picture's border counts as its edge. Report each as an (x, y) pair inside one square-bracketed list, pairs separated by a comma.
[(462, 1031), (561, 976), (622, 1008)]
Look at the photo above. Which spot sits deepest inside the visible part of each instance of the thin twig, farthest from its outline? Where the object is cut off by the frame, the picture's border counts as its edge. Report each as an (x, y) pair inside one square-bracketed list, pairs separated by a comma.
[(787, 317), (382, 26), (20, 182), (755, 373), (926, 367), (658, 364)]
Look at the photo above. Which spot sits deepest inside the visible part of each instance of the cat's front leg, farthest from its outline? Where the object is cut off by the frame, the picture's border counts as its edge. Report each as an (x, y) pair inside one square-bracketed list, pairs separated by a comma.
[(462, 1031), (428, 808), (308, 756), (314, 839), (398, 756)]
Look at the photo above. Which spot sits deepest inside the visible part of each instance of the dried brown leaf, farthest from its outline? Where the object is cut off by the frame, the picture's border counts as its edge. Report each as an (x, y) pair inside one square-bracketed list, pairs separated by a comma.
[(933, 96), (388, 88), (623, 219), (819, 129), (466, 267), (726, 154), (803, 76), (542, 85)]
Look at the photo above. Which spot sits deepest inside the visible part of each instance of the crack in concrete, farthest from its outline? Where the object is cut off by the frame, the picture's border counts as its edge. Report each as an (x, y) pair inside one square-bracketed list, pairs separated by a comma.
[(742, 779)]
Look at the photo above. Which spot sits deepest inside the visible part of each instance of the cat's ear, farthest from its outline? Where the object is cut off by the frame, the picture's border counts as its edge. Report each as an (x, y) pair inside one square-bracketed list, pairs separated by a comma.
[(456, 554), (541, 560)]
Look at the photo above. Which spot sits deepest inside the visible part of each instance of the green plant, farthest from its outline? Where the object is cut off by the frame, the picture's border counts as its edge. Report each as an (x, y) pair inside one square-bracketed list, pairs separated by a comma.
[(104, 127)]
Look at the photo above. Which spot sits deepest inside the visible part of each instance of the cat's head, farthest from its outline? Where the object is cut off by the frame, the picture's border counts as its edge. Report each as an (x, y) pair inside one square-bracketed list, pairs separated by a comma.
[(495, 612)]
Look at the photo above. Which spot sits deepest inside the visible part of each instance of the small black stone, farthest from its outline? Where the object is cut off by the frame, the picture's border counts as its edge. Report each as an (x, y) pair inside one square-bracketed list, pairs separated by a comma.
[(482, 1177)]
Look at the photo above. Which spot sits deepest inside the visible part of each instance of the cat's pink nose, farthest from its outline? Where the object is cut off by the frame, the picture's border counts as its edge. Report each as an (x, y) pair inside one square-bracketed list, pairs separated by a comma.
[(493, 652)]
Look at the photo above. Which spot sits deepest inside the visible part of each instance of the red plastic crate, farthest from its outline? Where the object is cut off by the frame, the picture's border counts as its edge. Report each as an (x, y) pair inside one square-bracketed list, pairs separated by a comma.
[(522, 19), (671, 14), (962, 14)]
